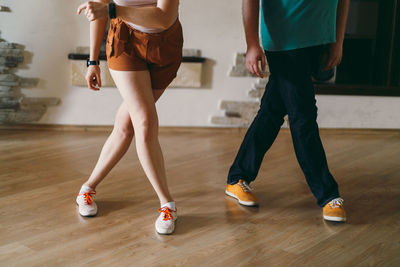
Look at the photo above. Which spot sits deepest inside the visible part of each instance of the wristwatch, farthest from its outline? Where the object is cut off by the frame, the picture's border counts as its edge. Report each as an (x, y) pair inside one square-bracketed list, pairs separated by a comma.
[(112, 11), (92, 62)]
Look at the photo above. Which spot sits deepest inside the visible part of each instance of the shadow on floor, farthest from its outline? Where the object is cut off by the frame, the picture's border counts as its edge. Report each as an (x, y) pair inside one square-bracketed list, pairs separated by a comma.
[(108, 206)]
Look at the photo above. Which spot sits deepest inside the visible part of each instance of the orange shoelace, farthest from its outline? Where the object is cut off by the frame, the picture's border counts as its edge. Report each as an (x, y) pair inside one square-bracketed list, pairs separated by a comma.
[(167, 213), (88, 197)]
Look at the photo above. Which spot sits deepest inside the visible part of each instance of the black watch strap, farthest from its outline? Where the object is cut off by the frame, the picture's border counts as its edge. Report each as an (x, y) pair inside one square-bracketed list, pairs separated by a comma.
[(112, 11), (92, 62)]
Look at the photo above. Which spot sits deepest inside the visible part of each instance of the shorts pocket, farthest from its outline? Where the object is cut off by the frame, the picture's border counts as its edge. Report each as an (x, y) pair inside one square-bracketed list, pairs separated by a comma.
[(110, 41), (172, 48), (176, 38), (118, 39)]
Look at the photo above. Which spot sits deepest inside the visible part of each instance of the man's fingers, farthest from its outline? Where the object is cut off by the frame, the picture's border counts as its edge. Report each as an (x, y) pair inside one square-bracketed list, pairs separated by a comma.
[(249, 67), (253, 65), (257, 70), (260, 66), (263, 63), (82, 7), (253, 70)]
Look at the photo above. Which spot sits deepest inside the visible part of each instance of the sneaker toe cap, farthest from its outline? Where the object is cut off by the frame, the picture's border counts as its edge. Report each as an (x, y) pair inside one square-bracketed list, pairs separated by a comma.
[(165, 227), (88, 211)]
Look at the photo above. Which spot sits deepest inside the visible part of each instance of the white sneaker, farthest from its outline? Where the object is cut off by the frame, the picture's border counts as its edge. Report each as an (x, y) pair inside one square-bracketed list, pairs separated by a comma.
[(87, 206), (165, 223)]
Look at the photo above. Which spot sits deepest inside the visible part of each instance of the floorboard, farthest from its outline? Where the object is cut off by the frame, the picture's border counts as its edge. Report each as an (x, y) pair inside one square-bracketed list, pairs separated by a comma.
[(41, 171)]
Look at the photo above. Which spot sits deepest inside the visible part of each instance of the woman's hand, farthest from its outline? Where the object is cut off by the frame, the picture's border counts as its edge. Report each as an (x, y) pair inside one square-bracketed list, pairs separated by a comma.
[(93, 77), (254, 55), (94, 10), (333, 57)]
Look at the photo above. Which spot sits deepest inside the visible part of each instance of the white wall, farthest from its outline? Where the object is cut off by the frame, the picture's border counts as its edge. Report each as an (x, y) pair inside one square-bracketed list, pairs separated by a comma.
[(50, 30)]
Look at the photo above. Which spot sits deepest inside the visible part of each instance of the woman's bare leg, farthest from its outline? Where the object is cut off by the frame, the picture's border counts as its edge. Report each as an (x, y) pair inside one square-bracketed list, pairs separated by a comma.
[(114, 148), (135, 89), (116, 145)]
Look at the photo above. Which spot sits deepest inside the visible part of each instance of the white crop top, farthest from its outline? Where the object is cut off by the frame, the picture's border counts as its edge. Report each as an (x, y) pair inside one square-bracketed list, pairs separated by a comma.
[(139, 3)]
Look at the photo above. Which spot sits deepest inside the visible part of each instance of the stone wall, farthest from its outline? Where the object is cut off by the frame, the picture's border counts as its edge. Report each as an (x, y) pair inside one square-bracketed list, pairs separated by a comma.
[(14, 106), (218, 35)]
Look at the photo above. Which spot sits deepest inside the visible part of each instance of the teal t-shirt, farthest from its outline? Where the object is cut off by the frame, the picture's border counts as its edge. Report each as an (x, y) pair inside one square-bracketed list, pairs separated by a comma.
[(293, 24)]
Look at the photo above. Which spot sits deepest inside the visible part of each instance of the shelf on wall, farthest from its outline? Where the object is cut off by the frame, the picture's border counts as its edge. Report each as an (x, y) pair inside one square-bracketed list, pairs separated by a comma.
[(102, 56), (189, 74), (356, 89)]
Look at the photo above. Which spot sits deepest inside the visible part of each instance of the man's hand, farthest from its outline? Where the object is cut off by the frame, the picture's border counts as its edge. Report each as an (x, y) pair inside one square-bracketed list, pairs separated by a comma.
[(333, 57), (93, 77), (94, 10), (254, 55)]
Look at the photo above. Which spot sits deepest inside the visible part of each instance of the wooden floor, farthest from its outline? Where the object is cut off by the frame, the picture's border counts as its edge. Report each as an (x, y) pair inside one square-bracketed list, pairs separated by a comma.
[(41, 171)]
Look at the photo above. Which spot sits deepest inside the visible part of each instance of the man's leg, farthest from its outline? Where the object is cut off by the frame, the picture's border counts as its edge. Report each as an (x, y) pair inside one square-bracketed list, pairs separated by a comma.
[(298, 94), (260, 135)]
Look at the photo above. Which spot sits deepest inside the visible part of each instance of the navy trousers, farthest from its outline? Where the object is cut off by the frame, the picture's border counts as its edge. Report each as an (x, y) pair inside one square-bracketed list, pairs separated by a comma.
[(289, 91)]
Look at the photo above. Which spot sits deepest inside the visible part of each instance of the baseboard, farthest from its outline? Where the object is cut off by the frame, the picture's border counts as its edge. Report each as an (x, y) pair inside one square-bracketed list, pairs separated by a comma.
[(108, 128), (172, 129), (56, 127)]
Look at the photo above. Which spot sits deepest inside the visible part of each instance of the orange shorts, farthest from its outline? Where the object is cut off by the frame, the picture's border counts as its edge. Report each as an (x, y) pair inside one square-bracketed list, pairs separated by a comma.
[(128, 49)]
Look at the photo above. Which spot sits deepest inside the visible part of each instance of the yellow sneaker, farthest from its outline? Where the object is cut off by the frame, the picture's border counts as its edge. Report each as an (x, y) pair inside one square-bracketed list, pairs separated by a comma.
[(334, 211), (242, 192)]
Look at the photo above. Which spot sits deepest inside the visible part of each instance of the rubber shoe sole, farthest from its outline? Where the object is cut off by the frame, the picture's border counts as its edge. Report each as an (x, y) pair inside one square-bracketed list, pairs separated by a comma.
[(164, 231), (244, 203), (334, 219)]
